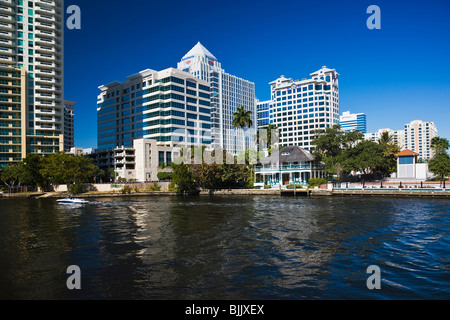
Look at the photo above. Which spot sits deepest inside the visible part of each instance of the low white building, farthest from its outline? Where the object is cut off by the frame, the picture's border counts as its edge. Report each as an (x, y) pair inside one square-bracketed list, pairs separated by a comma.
[(151, 158), (408, 168)]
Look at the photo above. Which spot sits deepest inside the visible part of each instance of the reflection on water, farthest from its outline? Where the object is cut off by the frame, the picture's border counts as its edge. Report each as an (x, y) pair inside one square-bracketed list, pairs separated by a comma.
[(255, 247)]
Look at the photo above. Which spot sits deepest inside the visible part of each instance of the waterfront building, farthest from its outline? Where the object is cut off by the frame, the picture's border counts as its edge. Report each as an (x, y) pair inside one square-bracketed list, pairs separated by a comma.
[(13, 115), (228, 92), (398, 136), (170, 106), (31, 40), (300, 107), (140, 163), (291, 165), (409, 168), (76, 151), (69, 125), (263, 112), (152, 158), (353, 122), (418, 136)]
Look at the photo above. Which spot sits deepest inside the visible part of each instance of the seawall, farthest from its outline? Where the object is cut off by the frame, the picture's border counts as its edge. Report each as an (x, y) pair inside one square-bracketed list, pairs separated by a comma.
[(440, 193)]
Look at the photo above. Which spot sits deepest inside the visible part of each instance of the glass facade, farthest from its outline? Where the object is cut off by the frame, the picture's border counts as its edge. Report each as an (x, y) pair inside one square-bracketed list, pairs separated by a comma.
[(155, 105), (298, 108)]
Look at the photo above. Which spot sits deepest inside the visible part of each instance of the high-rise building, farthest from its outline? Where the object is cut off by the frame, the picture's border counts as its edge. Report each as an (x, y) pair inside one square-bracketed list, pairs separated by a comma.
[(69, 125), (353, 122), (398, 136), (13, 114), (169, 106), (263, 111), (418, 136), (301, 107), (228, 93), (31, 39)]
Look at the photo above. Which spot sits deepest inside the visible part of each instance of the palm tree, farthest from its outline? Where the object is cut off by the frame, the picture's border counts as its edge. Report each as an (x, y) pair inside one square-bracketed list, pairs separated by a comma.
[(386, 139), (242, 118)]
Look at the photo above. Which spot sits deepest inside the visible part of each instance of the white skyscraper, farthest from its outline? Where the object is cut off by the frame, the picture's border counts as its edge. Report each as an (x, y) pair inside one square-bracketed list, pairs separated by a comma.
[(353, 122), (299, 108), (418, 136), (228, 93), (398, 136)]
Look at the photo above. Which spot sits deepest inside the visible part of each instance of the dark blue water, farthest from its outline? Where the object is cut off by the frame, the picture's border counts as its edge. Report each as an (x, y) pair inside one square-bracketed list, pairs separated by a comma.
[(226, 247)]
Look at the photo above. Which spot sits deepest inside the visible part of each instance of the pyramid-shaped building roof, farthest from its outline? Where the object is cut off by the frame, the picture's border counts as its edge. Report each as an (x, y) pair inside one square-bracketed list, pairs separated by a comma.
[(199, 50)]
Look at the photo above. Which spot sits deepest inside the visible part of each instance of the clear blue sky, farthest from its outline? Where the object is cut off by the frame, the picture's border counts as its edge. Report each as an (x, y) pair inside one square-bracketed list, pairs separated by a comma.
[(395, 75)]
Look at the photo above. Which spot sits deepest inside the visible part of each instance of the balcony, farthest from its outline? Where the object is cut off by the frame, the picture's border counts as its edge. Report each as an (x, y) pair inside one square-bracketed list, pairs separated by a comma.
[(47, 65), (49, 73), (47, 89), (46, 50), (48, 112), (47, 127), (47, 81), (46, 104), (275, 168), (6, 17)]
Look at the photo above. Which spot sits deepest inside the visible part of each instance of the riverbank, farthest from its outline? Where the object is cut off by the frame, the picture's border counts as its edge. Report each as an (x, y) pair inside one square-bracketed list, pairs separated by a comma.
[(441, 193)]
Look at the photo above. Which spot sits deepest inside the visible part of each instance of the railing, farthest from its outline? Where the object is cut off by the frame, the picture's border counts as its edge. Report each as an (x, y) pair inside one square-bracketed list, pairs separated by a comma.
[(289, 167)]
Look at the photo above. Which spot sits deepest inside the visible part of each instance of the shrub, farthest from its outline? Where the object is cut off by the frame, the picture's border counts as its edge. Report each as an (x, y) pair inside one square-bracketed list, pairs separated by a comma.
[(316, 182), (297, 186), (155, 187), (126, 189), (164, 175), (76, 188)]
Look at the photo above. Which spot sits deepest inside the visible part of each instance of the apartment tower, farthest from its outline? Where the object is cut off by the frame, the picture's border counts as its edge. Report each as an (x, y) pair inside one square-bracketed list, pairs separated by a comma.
[(31, 78), (418, 136), (300, 107)]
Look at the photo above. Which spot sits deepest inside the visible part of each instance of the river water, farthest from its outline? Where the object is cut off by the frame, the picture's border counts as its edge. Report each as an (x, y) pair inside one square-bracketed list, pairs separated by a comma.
[(226, 247)]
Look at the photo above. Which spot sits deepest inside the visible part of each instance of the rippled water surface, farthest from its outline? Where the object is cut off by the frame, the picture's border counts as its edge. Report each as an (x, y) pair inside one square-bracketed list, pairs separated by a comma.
[(230, 247)]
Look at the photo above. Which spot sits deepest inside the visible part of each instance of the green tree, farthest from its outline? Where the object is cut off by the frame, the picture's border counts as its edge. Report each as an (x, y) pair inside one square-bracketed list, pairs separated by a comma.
[(440, 163), (33, 165), (221, 174), (389, 150), (61, 168), (365, 157), (182, 178), (331, 145), (111, 174), (12, 174), (439, 145)]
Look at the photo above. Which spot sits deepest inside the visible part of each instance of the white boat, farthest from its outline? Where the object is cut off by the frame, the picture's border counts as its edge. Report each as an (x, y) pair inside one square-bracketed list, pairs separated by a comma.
[(72, 201)]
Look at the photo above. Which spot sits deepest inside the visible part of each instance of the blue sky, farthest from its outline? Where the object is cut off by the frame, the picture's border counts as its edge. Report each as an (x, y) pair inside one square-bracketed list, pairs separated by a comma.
[(395, 75)]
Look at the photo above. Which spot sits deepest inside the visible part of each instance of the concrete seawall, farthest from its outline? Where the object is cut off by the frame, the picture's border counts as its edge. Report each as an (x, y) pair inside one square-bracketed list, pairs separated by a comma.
[(246, 192)]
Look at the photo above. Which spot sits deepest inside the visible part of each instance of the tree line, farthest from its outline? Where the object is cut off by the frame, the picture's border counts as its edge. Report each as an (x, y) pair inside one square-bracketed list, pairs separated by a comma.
[(54, 169), (344, 153)]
